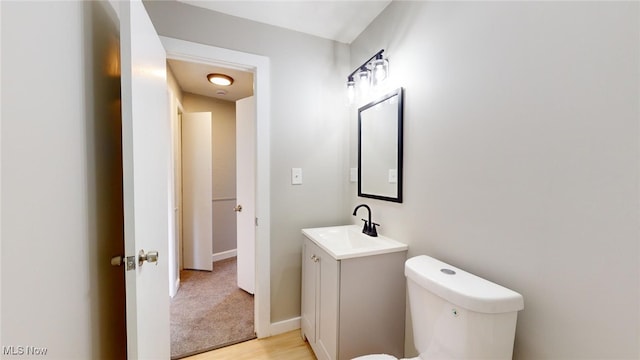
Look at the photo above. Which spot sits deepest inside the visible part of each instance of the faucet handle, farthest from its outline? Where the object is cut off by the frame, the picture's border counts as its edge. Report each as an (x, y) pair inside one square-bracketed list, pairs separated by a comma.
[(367, 227), (372, 229)]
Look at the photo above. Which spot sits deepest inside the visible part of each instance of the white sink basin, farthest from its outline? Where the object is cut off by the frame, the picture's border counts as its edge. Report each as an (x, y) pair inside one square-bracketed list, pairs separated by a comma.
[(348, 241)]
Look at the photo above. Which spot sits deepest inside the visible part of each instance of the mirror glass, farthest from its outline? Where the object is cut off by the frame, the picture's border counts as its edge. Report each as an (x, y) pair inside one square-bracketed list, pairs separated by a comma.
[(380, 148)]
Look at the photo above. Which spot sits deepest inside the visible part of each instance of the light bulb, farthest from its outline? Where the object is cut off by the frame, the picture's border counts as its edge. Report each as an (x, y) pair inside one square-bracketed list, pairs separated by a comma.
[(364, 74), (351, 89), (380, 69), (364, 80), (220, 79)]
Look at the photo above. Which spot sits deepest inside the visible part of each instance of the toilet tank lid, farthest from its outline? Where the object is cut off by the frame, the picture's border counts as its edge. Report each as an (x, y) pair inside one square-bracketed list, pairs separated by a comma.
[(460, 287)]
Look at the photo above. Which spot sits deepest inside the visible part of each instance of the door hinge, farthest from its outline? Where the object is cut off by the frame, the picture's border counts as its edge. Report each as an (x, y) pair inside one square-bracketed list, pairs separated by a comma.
[(256, 221)]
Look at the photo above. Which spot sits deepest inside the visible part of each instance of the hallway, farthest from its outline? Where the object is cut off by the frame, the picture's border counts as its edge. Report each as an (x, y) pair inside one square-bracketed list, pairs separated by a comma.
[(210, 311)]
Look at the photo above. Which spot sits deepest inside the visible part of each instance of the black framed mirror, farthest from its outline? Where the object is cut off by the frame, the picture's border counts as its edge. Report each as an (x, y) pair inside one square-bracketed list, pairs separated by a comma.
[(380, 148)]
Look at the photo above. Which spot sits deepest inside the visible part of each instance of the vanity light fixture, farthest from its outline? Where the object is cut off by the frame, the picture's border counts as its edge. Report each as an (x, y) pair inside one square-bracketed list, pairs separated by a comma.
[(220, 79), (372, 72)]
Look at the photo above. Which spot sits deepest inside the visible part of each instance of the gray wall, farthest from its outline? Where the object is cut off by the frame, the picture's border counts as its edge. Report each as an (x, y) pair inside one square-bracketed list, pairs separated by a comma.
[(309, 129), (521, 158), (61, 162)]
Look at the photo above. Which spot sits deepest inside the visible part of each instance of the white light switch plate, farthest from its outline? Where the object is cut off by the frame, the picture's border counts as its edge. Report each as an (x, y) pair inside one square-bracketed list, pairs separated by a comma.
[(296, 176), (393, 176)]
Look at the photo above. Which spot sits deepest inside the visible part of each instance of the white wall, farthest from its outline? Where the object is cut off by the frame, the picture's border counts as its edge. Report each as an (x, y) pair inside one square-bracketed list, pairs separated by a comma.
[(308, 129), (521, 159), (61, 207)]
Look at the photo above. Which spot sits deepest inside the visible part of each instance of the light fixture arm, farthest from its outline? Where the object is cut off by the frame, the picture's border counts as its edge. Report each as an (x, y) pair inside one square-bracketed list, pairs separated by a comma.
[(364, 65)]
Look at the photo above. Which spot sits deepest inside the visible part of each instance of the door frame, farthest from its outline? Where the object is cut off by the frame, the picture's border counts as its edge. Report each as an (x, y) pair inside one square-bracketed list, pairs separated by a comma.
[(259, 66), (175, 250)]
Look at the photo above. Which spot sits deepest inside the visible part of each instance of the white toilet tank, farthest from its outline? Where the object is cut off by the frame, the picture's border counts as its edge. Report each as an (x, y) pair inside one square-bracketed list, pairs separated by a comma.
[(457, 315)]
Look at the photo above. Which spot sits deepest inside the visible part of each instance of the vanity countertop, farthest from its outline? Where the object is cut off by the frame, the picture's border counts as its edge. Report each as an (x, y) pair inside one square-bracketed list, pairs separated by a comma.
[(348, 241)]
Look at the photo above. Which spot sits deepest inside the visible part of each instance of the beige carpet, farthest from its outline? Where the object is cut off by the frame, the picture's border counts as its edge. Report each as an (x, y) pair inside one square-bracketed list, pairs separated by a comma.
[(210, 311)]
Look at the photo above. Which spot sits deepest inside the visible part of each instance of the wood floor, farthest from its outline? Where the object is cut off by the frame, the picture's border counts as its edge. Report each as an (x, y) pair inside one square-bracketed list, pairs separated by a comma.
[(287, 346)]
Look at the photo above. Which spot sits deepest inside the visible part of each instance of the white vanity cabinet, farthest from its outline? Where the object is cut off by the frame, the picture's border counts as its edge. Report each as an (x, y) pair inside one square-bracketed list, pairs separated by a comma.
[(352, 305)]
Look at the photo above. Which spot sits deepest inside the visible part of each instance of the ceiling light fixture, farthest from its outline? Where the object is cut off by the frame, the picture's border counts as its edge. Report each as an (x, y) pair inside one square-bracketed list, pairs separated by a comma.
[(220, 79), (372, 72)]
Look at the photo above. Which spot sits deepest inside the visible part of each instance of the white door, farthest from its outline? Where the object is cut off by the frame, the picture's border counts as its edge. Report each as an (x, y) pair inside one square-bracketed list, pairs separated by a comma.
[(146, 153), (197, 191), (175, 216), (246, 192)]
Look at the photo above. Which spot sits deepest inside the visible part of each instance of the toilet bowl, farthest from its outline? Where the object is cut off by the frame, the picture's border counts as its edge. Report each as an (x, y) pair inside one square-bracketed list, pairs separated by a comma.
[(457, 315)]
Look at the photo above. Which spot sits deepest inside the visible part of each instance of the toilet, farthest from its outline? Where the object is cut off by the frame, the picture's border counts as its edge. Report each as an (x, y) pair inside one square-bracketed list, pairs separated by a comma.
[(457, 315)]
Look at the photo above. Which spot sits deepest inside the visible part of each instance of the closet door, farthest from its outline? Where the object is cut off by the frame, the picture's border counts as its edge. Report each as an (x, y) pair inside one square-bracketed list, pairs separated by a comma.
[(197, 177)]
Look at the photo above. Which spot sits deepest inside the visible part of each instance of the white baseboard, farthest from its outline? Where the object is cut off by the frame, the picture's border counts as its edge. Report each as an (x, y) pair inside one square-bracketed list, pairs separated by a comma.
[(284, 326), (224, 255)]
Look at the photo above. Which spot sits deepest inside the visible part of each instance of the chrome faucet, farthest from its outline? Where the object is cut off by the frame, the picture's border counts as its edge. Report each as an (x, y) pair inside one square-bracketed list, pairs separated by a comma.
[(369, 226)]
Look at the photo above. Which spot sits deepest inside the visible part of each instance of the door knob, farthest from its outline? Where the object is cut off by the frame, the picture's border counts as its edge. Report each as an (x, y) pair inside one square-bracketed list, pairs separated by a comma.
[(238, 208), (151, 257)]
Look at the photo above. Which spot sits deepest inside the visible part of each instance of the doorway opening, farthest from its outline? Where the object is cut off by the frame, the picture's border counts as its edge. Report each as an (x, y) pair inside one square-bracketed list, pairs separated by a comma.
[(214, 306), (258, 66)]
